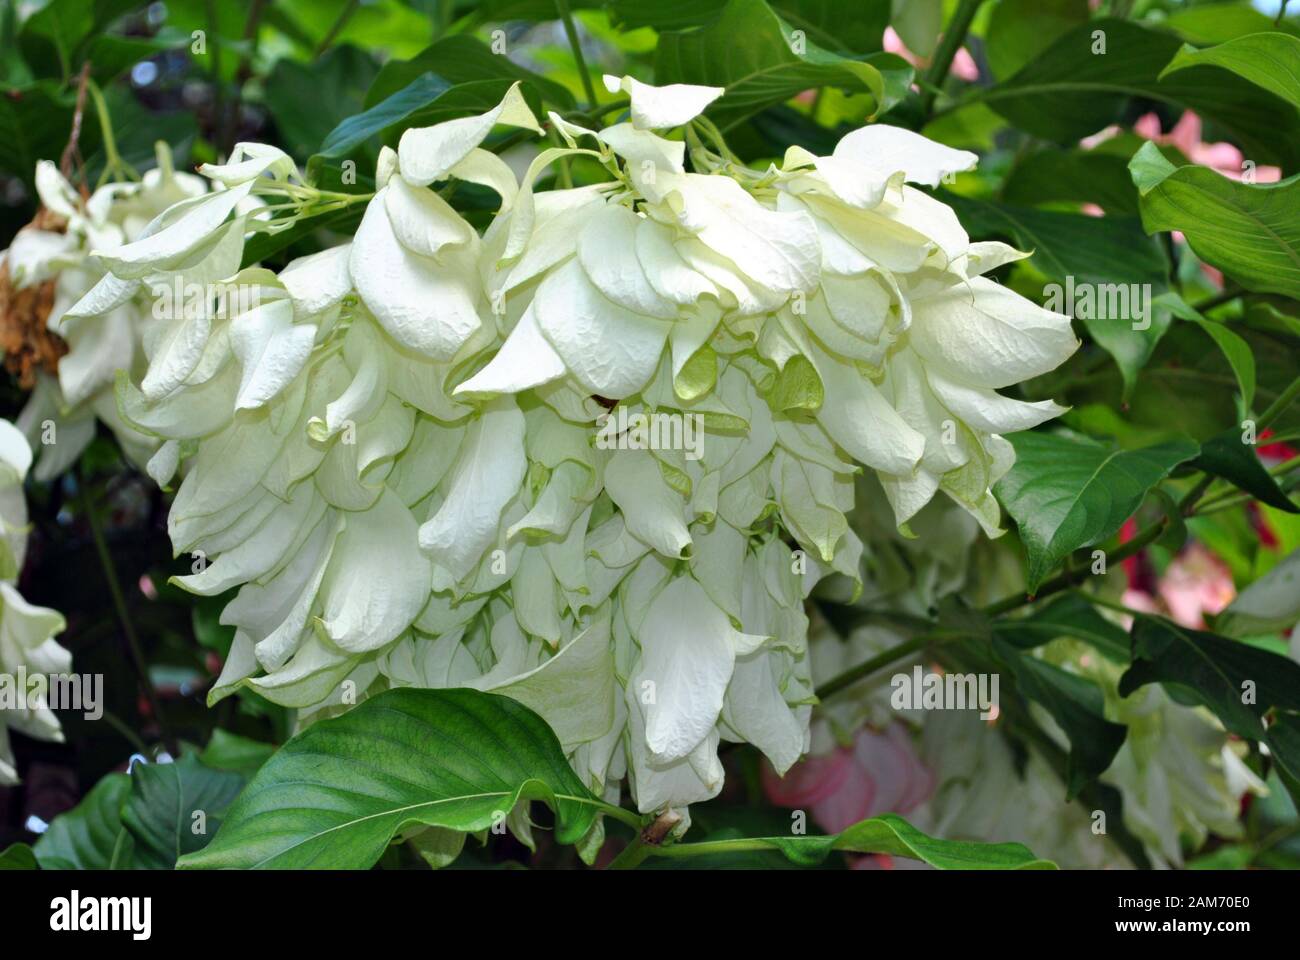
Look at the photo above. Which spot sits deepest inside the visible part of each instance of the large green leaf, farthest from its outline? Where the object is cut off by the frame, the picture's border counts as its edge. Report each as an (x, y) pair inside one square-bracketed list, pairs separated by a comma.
[(336, 794), (1213, 670), (91, 835), (1228, 456), (34, 124), (893, 835), (1269, 605), (357, 129), (1270, 60), (1220, 22), (229, 751), (1249, 231), (62, 34), (175, 808), (1234, 349), (1070, 492), (1239, 682), (845, 26), (18, 856), (1077, 705), (462, 59), (760, 61), (1072, 90), (1054, 175), (308, 100), (1019, 30), (427, 100)]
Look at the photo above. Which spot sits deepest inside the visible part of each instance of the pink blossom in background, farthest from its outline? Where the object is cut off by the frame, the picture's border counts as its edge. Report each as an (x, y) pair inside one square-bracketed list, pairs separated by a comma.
[(880, 773), (1195, 583), (1186, 136), (963, 64)]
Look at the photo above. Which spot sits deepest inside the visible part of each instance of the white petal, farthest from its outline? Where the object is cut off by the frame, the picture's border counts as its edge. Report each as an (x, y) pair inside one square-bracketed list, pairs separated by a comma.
[(525, 360), (486, 476), (272, 350), (986, 335), (654, 511), (378, 579), (687, 653), (318, 281), (667, 106), (425, 305), (611, 350), (427, 154), (608, 254)]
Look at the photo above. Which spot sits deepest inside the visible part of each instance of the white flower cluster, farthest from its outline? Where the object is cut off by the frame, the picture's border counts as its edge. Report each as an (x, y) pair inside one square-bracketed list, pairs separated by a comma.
[(27, 646), (97, 345), (402, 454)]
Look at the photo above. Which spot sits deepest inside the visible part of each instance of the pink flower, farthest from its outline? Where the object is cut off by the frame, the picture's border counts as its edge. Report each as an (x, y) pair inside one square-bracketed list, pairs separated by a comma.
[(878, 774), (1186, 136), (1195, 583), (963, 64)]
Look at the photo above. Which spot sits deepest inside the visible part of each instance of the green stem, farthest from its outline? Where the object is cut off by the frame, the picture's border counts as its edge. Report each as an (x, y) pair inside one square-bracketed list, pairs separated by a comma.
[(337, 28), (113, 163), (572, 31), (1066, 579), (629, 817), (1278, 406), (123, 613), (705, 847), (1219, 299), (129, 735), (631, 856), (954, 35), (880, 661)]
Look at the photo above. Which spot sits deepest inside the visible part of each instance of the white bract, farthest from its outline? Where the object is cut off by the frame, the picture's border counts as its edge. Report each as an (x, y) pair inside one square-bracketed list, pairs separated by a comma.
[(27, 646), (59, 419), (399, 454)]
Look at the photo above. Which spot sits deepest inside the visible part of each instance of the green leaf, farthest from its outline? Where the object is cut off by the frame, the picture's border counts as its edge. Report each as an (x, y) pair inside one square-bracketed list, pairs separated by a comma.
[(335, 795), (751, 52), (175, 808), (1070, 615), (62, 34), (463, 59), (1235, 350), (1019, 30), (1226, 455), (356, 130), (1269, 60), (229, 751), (18, 856), (1269, 605), (1053, 175), (1079, 708), (1220, 22), (845, 26), (1070, 492), (1249, 231), (1213, 670), (34, 124), (891, 834), (91, 835), (1069, 91), (308, 100)]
